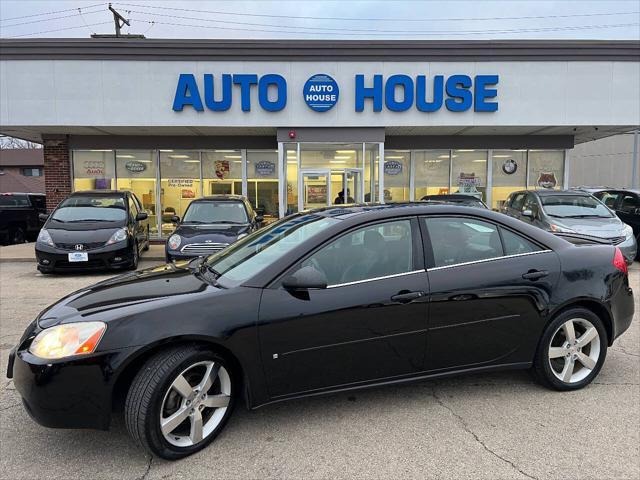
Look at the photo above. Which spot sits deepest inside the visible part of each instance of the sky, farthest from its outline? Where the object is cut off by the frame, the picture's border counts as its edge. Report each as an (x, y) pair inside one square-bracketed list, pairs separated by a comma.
[(327, 19)]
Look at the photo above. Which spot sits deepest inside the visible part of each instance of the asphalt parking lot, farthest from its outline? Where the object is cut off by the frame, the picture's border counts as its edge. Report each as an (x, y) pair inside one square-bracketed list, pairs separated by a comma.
[(493, 426)]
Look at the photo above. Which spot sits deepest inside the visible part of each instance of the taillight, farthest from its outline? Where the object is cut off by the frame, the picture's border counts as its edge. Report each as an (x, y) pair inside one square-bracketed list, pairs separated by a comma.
[(619, 263)]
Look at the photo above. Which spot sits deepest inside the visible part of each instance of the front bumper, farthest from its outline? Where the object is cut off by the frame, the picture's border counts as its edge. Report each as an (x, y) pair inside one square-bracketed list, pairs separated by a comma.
[(110, 257), (74, 393)]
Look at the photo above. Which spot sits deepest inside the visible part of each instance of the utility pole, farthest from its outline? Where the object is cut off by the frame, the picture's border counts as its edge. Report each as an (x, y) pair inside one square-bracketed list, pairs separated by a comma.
[(117, 18), (119, 21)]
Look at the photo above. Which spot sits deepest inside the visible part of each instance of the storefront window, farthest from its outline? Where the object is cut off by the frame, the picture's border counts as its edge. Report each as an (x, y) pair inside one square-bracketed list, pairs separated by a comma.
[(222, 172), (262, 182), (546, 169), (93, 170), (291, 180), (136, 172), (509, 173), (431, 173), (469, 172), (179, 184), (397, 171)]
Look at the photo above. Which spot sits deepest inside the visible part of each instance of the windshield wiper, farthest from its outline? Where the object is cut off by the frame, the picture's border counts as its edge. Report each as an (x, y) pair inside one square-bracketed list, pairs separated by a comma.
[(587, 216), (90, 220), (557, 216)]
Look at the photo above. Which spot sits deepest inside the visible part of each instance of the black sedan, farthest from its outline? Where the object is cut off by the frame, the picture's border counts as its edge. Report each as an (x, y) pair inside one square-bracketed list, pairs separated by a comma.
[(93, 230), (211, 224), (326, 300)]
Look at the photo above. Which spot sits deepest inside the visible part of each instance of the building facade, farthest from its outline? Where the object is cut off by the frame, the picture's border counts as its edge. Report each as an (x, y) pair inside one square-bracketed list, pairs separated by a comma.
[(296, 125), (22, 170)]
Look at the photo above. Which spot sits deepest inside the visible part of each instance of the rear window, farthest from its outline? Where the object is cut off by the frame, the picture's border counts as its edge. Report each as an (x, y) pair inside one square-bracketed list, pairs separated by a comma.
[(14, 201)]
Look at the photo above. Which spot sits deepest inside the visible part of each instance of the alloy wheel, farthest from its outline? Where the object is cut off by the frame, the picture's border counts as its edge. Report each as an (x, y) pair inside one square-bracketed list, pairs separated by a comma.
[(195, 403), (574, 350)]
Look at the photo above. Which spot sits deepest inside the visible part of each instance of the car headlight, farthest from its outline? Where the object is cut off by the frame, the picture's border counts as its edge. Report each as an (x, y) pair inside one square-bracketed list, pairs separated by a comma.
[(174, 242), (119, 235), (67, 340), (557, 228), (44, 237)]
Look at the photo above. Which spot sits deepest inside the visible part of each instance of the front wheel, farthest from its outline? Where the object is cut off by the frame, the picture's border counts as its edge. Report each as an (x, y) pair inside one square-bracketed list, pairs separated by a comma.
[(135, 256), (179, 401), (572, 350)]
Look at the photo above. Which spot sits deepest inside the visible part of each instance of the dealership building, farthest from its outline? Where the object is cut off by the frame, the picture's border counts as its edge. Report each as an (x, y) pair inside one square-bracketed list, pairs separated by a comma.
[(301, 124)]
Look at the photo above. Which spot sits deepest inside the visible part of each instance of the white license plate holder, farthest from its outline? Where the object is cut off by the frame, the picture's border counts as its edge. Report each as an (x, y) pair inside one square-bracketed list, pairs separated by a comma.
[(78, 257)]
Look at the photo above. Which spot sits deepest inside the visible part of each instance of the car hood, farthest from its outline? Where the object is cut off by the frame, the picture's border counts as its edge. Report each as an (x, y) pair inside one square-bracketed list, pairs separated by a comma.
[(596, 227), (83, 226), (64, 236), (132, 290), (218, 233)]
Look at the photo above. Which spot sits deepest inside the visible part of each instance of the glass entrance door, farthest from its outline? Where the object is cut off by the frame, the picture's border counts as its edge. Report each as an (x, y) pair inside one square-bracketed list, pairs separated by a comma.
[(315, 189), (351, 183)]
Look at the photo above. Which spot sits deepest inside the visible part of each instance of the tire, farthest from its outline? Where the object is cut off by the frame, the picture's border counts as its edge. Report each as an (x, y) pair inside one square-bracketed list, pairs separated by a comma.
[(153, 397), (563, 365), (16, 235), (147, 243), (136, 256)]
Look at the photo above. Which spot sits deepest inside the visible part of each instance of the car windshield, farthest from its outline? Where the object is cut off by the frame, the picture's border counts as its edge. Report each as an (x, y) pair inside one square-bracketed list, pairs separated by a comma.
[(91, 209), (216, 212), (252, 254), (574, 206)]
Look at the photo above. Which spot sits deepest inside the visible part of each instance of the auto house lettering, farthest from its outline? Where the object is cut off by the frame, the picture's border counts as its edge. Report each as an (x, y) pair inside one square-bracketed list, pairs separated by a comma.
[(396, 93)]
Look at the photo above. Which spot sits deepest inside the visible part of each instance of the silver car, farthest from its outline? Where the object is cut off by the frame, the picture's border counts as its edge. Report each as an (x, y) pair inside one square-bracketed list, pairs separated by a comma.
[(571, 212)]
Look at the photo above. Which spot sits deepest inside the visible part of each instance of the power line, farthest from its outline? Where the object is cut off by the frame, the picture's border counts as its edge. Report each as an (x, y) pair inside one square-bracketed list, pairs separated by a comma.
[(530, 17), (58, 29), (50, 19), (431, 33), (51, 13)]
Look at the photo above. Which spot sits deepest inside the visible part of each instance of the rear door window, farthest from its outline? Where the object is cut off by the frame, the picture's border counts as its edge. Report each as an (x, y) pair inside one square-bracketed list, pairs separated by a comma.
[(608, 198), (462, 240), (515, 244), (518, 201), (630, 203)]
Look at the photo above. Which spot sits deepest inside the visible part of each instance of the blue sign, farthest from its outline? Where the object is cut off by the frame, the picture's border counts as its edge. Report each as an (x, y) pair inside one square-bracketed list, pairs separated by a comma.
[(397, 93), (321, 92)]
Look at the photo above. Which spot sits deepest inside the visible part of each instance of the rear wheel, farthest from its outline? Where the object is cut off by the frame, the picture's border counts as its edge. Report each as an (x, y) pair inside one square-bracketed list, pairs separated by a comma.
[(148, 242), (572, 350), (179, 401), (135, 256), (16, 235)]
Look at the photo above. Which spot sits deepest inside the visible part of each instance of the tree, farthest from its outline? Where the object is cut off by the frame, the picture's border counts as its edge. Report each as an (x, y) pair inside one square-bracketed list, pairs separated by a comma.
[(9, 143)]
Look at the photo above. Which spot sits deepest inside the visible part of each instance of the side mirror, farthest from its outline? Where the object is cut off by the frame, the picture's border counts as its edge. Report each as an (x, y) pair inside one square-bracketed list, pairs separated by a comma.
[(175, 219), (637, 211), (528, 213), (305, 278), (259, 219), (43, 217), (142, 216), (260, 211)]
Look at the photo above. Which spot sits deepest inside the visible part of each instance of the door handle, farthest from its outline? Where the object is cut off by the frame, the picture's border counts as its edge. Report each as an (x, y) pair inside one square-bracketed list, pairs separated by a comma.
[(535, 274), (407, 297)]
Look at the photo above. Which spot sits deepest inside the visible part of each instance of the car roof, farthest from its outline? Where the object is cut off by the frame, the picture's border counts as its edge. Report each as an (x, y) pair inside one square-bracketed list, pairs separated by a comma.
[(452, 196), (110, 193), (221, 198)]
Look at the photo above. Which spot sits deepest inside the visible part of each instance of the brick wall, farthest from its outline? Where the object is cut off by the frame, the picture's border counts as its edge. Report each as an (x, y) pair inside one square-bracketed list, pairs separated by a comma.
[(57, 170)]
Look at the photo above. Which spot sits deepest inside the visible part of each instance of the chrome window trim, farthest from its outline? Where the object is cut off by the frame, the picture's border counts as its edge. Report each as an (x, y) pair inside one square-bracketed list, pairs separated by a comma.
[(485, 260), (394, 275)]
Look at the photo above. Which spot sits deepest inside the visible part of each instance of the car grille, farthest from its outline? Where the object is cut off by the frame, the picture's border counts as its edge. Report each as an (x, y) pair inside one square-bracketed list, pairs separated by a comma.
[(203, 248), (616, 240), (85, 246)]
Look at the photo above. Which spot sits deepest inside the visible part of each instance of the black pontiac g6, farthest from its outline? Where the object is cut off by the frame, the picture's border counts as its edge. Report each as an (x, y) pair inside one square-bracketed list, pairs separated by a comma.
[(333, 299)]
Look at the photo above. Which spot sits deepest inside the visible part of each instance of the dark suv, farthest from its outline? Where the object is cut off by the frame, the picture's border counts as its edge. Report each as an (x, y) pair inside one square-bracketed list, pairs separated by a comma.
[(98, 229), (19, 216)]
